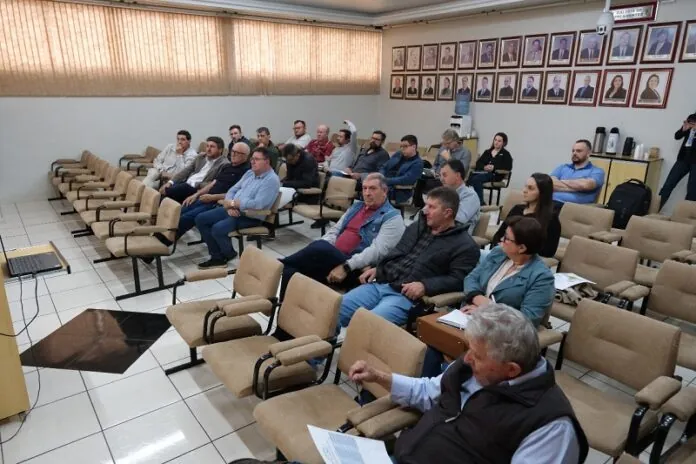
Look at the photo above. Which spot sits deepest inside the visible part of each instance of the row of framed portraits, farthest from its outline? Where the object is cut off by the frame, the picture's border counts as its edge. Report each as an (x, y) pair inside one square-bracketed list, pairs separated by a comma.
[(560, 49), (611, 87)]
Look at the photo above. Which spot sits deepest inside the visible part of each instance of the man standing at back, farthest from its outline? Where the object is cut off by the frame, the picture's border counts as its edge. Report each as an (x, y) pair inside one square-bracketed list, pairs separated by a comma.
[(171, 160), (321, 147), (578, 181), (300, 138)]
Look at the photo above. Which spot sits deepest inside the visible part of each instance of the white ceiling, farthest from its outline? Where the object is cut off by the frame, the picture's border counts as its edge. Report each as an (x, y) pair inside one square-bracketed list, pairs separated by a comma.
[(366, 6)]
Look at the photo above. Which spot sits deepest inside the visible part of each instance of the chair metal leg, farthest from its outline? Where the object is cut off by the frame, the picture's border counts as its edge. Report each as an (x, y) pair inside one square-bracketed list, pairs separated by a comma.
[(194, 361), (240, 242), (136, 276), (56, 198), (497, 201), (160, 274), (104, 260), (65, 213), (490, 196)]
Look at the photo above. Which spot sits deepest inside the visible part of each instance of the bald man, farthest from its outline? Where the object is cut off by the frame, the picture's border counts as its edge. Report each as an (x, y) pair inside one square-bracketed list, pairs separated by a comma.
[(206, 198), (321, 147)]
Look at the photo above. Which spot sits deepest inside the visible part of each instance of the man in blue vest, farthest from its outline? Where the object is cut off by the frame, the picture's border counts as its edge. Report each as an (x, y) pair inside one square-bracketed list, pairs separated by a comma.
[(362, 237)]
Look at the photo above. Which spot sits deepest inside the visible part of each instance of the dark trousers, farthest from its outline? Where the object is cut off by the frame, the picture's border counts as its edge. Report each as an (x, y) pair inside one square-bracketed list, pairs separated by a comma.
[(188, 215), (476, 181), (423, 186), (432, 364), (179, 192), (680, 169)]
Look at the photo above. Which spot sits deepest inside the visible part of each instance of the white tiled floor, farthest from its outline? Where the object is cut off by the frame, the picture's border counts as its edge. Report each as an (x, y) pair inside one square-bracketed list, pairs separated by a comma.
[(141, 416)]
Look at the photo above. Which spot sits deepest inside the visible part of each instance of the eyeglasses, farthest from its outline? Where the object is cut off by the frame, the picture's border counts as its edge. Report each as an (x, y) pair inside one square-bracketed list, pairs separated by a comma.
[(505, 238), (259, 158), (235, 152), (404, 146)]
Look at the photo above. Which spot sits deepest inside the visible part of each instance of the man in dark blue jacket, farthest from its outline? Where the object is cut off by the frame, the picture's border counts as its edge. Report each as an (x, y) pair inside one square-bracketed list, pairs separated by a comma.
[(404, 168)]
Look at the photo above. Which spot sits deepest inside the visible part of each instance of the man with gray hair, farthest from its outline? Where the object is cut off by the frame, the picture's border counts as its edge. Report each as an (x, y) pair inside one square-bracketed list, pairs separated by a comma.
[(497, 403)]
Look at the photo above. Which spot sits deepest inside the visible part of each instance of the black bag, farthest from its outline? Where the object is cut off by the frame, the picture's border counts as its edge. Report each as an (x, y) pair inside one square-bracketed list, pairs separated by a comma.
[(631, 197)]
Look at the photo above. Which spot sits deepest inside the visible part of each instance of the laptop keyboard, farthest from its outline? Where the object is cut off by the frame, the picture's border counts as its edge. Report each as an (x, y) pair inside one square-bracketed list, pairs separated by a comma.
[(34, 263)]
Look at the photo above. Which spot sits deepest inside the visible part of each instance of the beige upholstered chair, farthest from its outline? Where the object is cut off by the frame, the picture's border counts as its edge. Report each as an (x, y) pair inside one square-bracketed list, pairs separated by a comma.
[(86, 164), (135, 160), (204, 322), (392, 147), (110, 209), (612, 342), (681, 407), (337, 198), (583, 221), (312, 192), (512, 197), (123, 223), (479, 235), (92, 199), (72, 179), (498, 185), (284, 419), (307, 321), (685, 213), (265, 229)]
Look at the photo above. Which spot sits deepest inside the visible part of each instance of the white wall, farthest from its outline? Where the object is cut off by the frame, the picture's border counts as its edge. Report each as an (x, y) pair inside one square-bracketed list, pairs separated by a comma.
[(541, 136), (35, 131)]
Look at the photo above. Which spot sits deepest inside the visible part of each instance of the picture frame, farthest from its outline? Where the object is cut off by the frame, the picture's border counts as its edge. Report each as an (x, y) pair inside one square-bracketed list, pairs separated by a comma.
[(448, 56), (618, 95), (396, 87), (466, 54), (585, 87), (635, 12), (413, 57), (534, 50), (485, 83), (445, 86), (688, 48), (487, 54), (652, 88), (398, 59), (430, 57), (660, 44), (590, 48), (464, 84), (509, 56), (624, 45), (561, 49), (506, 87), (409, 94), (428, 87), (529, 87), (556, 88)]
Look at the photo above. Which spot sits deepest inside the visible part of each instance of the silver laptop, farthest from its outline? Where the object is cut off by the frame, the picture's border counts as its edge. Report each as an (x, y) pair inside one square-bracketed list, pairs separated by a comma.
[(32, 264)]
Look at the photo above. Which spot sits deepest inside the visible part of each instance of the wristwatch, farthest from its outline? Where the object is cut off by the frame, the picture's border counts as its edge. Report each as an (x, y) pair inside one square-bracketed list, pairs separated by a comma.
[(347, 268)]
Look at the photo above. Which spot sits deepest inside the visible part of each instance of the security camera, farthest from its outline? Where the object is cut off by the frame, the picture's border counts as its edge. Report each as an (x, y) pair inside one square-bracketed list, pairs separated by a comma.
[(606, 20)]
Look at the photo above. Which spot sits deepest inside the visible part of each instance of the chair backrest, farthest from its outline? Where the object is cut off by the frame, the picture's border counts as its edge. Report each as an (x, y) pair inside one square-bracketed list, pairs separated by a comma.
[(584, 220), (151, 153), (685, 212), (655, 239), (309, 308), (202, 147), (282, 170), (340, 192), (85, 156), (270, 218), (112, 173), (613, 342), (512, 197), (674, 292), (392, 147), (123, 178), (168, 216), (654, 204), (334, 138), (101, 168), (431, 154), (257, 274), (134, 192), (602, 263), (385, 346), (482, 225), (150, 201)]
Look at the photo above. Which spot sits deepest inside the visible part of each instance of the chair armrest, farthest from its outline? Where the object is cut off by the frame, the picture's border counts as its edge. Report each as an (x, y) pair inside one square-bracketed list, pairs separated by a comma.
[(550, 262), (502, 171), (445, 299), (257, 212), (404, 187), (657, 392), (388, 422), (94, 181), (75, 171), (148, 230), (208, 274), (117, 204), (66, 161), (304, 353), (146, 165), (659, 217), (628, 290), (480, 241), (279, 347), (359, 415), (135, 216), (606, 236), (548, 337), (105, 194), (310, 191), (132, 156), (243, 308), (339, 197), (682, 405), (681, 256), (490, 208)]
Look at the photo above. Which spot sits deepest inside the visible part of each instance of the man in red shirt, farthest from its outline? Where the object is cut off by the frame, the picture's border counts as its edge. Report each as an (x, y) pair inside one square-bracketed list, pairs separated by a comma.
[(321, 147)]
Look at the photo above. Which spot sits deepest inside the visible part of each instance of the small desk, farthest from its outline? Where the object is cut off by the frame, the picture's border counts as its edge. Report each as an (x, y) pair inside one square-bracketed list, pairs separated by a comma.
[(442, 337)]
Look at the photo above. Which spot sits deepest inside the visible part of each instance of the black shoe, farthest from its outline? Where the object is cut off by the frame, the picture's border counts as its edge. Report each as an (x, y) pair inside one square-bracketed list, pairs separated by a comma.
[(211, 263), (148, 259), (319, 224)]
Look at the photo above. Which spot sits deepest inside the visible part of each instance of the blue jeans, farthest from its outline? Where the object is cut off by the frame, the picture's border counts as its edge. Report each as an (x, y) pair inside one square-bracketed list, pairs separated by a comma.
[(189, 214), (433, 363), (680, 169), (215, 226), (381, 299), (476, 181)]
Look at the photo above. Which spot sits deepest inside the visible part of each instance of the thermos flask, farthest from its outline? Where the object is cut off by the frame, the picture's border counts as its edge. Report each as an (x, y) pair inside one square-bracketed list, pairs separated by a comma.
[(628, 147), (612, 141), (598, 143)]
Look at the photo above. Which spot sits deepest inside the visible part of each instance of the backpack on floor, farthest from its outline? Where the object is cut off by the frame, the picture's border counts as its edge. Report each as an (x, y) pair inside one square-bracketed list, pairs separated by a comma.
[(631, 197)]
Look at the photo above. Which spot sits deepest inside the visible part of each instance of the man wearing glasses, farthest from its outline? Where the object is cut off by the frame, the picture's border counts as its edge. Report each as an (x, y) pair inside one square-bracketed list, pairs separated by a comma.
[(257, 190), (404, 168)]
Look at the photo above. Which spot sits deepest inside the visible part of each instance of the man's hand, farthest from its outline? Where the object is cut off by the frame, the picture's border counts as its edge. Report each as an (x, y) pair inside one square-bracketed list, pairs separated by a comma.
[(468, 309), (489, 168), (260, 144), (207, 198), (413, 290), (368, 276), (445, 154), (356, 176), (179, 149), (163, 188), (361, 372), (228, 204), (337, 274), (190, 200), (686, 126), (234, 212), (348, 171)]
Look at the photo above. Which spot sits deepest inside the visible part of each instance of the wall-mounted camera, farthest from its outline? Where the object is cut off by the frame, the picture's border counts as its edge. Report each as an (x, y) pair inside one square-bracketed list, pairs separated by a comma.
[(605, 21)]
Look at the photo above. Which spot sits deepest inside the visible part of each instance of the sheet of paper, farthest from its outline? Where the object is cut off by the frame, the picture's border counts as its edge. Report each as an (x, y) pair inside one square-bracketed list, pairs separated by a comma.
[(564, 280), (340, 448), (456, 319)]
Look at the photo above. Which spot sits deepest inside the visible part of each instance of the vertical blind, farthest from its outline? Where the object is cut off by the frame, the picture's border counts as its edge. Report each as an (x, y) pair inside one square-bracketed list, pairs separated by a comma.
[(52, 48)]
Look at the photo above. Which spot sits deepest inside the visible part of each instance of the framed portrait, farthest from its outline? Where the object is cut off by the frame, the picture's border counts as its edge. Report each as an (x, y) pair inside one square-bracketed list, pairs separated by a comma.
[(466, 58), (660, 43), (556, 88), (561, 49), (688, 49), (445, 86), (487, 53), (624, 45), (585, 87), (413, 57), (529, 84), (412, 85), (590, 49), (506, 89), (396, 89), (398, 58), (534, 51), (428, 86), (652, 88), (448, 55), (464, 83), (510, 52), (429, 62), (616, 87), (484, 87)]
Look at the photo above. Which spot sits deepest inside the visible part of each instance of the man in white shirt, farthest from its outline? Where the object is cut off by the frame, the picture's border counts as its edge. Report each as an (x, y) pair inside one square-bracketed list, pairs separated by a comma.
[(171, 160), (301, 137)]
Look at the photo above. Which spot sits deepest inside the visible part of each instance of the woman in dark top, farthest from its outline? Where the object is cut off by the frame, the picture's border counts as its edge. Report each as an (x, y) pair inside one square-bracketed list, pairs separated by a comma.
[(496, 158), (538, 203), (616, 91)]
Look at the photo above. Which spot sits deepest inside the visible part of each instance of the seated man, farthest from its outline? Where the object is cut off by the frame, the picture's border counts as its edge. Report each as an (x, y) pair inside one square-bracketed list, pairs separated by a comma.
[(499, 402), (257, 190), (362, 237), (303, 172), (236, 136), (197, 174), (432, 257), (263, 139), (404, 168), (300, 138), (370, 159), (343, 155), (321, 147), (452, 175), (171, 160), (206, 198), (579, 181), (450, 148)]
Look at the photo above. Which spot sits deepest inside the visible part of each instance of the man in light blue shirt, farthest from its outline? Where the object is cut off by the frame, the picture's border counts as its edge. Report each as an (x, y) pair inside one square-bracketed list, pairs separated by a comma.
[(579, 181), (257, 190), (497, 403)]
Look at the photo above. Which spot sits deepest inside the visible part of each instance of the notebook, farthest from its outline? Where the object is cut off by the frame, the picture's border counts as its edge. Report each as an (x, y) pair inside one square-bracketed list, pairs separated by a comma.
[(456, 319)]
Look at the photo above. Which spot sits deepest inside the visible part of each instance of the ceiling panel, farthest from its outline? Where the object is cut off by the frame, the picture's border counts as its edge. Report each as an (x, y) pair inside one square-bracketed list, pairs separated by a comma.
[(365, 6)]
